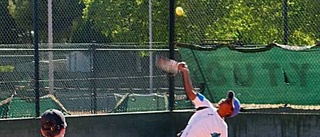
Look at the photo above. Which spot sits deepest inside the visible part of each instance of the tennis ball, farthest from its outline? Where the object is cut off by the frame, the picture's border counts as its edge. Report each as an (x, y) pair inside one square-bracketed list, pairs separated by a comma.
[(179, 11)]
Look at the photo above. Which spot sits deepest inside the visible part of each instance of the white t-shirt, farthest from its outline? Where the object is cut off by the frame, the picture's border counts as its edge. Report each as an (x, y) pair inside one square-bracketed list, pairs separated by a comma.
[(205, 122)]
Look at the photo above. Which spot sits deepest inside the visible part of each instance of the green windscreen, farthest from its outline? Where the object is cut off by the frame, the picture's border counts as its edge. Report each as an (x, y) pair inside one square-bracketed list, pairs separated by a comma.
[(275, 76)]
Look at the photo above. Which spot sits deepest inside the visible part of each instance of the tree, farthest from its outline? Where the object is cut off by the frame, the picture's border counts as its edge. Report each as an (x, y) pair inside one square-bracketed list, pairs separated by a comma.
[(65, 14), (255, 21), (127, 21), (8, 27)]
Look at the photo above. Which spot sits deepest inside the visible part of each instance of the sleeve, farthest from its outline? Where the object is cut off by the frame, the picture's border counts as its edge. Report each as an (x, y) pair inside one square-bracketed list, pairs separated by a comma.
[(201, 101)]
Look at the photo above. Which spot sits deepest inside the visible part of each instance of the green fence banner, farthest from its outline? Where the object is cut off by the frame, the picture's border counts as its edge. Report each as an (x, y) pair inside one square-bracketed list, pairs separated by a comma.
[(273, 76)]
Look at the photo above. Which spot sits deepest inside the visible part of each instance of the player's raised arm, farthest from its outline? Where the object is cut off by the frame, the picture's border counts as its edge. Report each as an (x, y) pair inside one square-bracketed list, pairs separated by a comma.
[(183, 68), (174, 67)]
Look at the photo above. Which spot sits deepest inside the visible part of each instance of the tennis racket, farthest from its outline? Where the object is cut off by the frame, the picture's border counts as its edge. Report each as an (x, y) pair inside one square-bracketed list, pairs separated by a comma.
[(167, 65)]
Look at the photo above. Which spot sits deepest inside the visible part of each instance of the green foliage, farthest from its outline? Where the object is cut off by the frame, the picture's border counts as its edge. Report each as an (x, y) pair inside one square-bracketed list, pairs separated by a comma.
[(126, 21), (254, 21), (258, 21), (7, 68), (64, 14)]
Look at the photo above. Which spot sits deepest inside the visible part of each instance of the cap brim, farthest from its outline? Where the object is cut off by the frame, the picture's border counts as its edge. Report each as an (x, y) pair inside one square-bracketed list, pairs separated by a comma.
[(235, 102)]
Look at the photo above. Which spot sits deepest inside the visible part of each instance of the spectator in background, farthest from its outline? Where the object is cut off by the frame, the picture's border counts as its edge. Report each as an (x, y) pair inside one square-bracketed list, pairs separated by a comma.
[(53, 123)]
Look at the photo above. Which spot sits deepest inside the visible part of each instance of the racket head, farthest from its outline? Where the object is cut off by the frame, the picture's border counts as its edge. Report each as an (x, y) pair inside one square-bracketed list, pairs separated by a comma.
[(167, 65)]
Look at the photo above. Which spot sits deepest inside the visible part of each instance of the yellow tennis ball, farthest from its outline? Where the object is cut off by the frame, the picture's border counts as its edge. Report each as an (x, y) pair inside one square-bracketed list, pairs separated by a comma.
[(179, 11)]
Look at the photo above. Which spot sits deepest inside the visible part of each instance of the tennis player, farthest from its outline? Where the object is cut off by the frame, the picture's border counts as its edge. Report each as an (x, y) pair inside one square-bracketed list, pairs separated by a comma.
[(207, 121), (53, 123)]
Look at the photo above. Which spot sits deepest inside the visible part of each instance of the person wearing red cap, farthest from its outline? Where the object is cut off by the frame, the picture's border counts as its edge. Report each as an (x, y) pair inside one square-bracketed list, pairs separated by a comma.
[(207, 121), (53, 123)]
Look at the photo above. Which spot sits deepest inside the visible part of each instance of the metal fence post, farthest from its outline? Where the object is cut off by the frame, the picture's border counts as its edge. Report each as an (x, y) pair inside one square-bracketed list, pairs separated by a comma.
[(171, 56), (171, 53), (93, 88), (36, 58)]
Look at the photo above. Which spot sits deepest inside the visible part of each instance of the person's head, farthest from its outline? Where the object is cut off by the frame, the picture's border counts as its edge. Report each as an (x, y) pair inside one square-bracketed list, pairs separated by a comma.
[(230, 106), (53, 123)]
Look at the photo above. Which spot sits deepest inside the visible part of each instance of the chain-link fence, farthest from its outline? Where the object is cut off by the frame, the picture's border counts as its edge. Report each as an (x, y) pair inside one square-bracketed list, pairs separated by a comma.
[(87, 79), (98, 56)]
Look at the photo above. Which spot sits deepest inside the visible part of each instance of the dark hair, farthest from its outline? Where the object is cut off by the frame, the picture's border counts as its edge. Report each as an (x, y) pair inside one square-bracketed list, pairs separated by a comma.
[(51, 129), (52, 122)]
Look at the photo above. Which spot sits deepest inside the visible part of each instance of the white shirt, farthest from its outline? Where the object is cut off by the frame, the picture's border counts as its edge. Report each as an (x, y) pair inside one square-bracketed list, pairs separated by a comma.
[(205, 122)]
